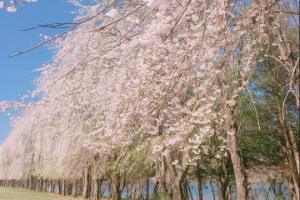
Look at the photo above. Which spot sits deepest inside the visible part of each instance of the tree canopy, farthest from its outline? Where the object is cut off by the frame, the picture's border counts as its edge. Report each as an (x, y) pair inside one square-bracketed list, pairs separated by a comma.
[(182, 85)]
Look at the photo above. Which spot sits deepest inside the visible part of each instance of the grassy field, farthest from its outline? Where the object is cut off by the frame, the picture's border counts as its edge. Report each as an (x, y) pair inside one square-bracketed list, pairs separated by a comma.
[(21, 194)]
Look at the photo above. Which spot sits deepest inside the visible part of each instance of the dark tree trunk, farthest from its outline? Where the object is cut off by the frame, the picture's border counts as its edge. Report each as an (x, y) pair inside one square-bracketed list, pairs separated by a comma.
[(221, 187), (59, 187), (100, 188), (109, 191), (188, 186), (155, 193), (184, 189), (212, 190), (41, 185), (69, 189), (199, 179), (51, 186), (147, 188), (27, 183), (45, 185)]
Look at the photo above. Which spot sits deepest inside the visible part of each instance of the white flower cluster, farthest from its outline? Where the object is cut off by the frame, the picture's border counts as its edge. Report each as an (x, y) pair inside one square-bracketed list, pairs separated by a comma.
[(113, 13), (11, 7), (2, 4), (155, 3)]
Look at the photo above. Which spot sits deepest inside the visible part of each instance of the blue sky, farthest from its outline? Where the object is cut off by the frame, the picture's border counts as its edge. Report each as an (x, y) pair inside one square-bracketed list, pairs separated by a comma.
[(16, 74)]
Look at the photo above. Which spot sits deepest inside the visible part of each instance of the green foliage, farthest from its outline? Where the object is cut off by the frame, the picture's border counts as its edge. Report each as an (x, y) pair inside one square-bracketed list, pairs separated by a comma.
[(271, 196), (258, 113), (159, 196)]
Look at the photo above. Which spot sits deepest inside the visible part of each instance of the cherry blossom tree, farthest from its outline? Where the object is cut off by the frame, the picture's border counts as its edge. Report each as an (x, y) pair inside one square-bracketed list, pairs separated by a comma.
[(159, 75)]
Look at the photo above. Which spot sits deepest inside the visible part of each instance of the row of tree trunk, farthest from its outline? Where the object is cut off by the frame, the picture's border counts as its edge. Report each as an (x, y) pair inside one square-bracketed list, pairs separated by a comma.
[(86, 187), (63, 187)]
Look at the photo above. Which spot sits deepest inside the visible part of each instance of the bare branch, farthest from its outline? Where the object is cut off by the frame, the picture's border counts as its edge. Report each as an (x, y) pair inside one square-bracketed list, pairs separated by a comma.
[(62, 34)]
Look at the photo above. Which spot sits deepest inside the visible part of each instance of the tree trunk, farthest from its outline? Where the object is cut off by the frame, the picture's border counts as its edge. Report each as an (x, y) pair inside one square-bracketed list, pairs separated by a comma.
[(293, 168), (51, 186), (100, 188), (292, 189), (45, 185), (162, 178), (178, 192), (86, 185), (41, 185), (228, 192), (251, 192), (292, 137), (212, 190), (118, 186), (147, 188), (178, 176), (127, 191), (36, 183), (184, 189), (289, 160), (140, 195), (237, 160), (199, 179), (188, 186), (69, 189), (109, 191), (133, 191), (170, 193), (287, 166), (96, 189), (27, 183), (63, 187), (59, 187), (155, 190), (74, 188), (30, 183), (221, 187)]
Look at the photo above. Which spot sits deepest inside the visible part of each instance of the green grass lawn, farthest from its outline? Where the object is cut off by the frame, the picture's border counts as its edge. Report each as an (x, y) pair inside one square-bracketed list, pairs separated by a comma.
[(21, 194)]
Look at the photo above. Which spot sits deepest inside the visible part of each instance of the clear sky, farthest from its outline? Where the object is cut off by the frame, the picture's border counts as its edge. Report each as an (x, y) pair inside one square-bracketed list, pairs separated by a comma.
[(16, 73)]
